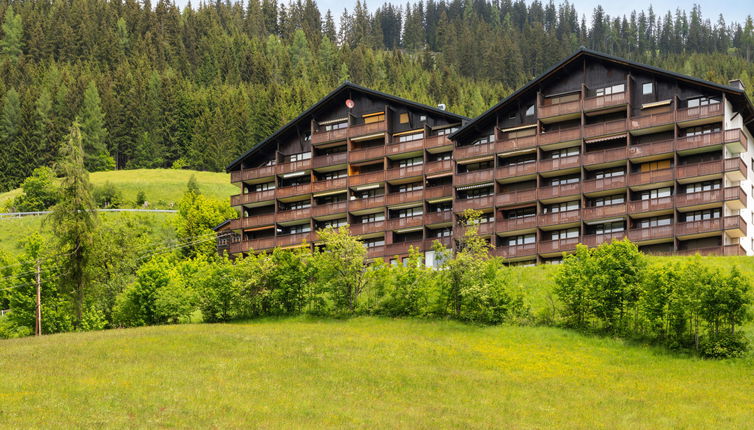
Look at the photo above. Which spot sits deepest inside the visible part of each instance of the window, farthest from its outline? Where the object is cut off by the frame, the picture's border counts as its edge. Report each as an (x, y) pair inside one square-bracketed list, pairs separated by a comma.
[(403, 119), (486, 217), (610, 227), (441, 156), (654, 221), (701, 130), (374, 242), (472, 167), (335, 223), (530, 110), (702, 215), (445, 131), (702, 101), (609, 200), (610, 173), (569, 233), (336, 125), (327, 176), (408, 162), (365, 194), (264, 187), (517, 161), (613, 89), (441, 207), (521, 212), (409, 212), (293, 206), (476, 192), (422, 118), (703, 186), (483, 140), (523, 239), (564, 152), (656, 193), (654, 165), (562, 207), (374, 117), (375, 217), (647, 88), (564, 180), (414, 186), (410, 137), (441, 232), (298, 157), (333, 198), (298, 229)]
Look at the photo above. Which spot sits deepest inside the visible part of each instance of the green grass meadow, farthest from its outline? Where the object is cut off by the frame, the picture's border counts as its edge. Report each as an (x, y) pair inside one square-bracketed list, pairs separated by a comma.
[(363, 373)]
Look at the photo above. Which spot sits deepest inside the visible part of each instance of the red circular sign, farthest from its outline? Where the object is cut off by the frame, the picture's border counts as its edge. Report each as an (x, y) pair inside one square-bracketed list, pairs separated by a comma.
[(350, 104)]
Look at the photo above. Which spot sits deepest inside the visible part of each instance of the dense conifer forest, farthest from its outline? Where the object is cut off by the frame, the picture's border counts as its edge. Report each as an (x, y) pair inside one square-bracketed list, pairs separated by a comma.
[(153, 85)]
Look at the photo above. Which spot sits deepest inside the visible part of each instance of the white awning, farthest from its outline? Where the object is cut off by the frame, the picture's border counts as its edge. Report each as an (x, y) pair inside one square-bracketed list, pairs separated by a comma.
[(366, 187), (329, 193), (656, 104), (521, 127), (471, 187), (333, 121), (294, 174), (477, 160), (605, 138)]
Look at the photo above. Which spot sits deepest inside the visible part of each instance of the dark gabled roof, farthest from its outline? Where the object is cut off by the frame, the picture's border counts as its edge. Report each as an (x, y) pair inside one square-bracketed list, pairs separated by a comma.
[(344, 86), (221, 225), (588, 52)]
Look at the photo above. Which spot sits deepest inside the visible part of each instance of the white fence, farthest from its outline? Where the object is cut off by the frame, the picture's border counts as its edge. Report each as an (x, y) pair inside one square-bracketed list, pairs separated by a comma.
[(20, 214)]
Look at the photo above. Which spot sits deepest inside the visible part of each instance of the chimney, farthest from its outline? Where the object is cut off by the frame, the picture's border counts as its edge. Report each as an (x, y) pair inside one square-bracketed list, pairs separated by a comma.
[(736, 83), (441, 106)]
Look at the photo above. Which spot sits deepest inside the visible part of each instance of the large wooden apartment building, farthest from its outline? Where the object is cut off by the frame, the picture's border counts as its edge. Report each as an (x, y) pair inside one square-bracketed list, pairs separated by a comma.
[(595, 148)]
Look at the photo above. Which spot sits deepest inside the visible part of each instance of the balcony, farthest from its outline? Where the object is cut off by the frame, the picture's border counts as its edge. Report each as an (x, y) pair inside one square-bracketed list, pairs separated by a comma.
[(253, 197), (727, 250), (252, 245), (653, 120), (367, 227), (294, 166), (516, 251), (700, 112), (253, 173), (650, 233), (558, 246), (514, 197), (482, 229), (604, 184), (563, 135), (604, 128), (366, 203), (433, 218), (294, 190), (329, 136), (567, 217), (292, 215), (376, 252), (252, 221), (398, 198), (604, 156), (651, 149), (553, 164), (650, 205), (366, 129), (559, 109), (475, 203), (367, 178), (365, 154), (516, 224), (329, 184), (602, 102), (293, 239), (556, 191), (735, 169), (598, 212), (706, 168), (699, 198), (431, 193), (439, 166), (592, 240), (469, 151), (437, 141), (736, 141), (404, 172), (735, 197), (399, 148), (701, 141), (329, 209), (475, 177), (734, 226), (513, 170), (692, 228), (329, 159), (407, 222), (646, 178), (515, 144), (402, 248)]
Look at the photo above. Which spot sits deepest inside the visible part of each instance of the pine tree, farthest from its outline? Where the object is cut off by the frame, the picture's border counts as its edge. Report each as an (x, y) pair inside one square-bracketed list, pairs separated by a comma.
[(93, 132), (10, 139), (11, 44)]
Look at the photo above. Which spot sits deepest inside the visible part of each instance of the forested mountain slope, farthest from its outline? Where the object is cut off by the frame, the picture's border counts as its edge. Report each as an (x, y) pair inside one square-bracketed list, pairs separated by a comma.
[(156, 86)]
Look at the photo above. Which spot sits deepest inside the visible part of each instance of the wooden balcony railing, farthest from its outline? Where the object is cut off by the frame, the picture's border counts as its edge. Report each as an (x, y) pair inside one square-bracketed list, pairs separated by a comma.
[(726, 250), (644, 178), (695, 142), (699, 112), (253, 197), (329, 136), (697, 227), (735, 140), (469, 151), (698, 169), (365, 154), (558, 246), (483, 229), (252, 245), (604, 184), (329, 159), (513, 170), (329, 209), (252, 221), (566, 217), (400, 223), (475, 203), (404, 172), (735, 194), (367, 203), (433, 218), (397, 198), (650, 205), (552, 164), (736, 168), (329, 184), (514, 197), (736, 224), (598, 212), (437, 192), (507, 145), (367, 227), (475, 177), (515, 251), (295, 166), (610, 100), (604, 156), (437, 141), (650, 233), (604, 128), (559, 191), (652, 120), (366, 129), (375, 252), (433, 167), (293, 239), (700, 198), (297, 214), (367, 178), (399, 148), (650, 149), (559, 109), (402, 248), (593, 240), (253, 173), (563, 135), (294, 190), (515, 224)]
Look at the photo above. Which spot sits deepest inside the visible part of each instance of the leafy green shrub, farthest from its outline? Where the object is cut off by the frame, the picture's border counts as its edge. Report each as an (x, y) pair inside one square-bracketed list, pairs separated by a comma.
[(141, 198), (39, 191), (220, 297), (108, 196), (723, 345)]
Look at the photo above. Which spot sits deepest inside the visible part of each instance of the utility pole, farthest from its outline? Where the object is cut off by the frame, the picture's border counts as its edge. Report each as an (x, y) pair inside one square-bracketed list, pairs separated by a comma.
[(38, 327)]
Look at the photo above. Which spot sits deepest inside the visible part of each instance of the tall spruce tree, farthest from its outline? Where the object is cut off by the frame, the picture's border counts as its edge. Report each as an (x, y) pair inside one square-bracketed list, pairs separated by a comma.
[(93, 132), (10, 138), (11, 44)]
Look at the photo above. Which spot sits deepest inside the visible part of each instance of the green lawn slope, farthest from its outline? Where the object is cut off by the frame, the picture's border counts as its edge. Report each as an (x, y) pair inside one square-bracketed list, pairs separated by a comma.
[(363, 373)]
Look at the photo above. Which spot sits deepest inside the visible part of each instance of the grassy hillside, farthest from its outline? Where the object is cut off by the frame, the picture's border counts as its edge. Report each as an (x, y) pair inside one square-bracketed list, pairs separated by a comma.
[(160, 185), (365, 372)]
